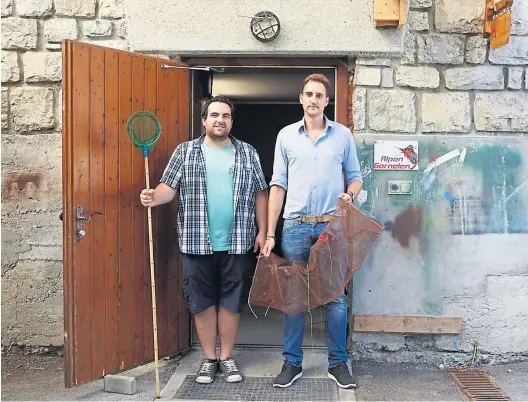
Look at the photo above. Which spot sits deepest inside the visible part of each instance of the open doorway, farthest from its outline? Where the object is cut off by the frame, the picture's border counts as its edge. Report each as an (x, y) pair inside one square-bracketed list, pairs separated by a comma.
[(266, 100)]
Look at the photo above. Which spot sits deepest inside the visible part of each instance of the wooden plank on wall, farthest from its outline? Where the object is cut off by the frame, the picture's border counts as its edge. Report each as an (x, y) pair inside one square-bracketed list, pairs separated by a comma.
[(386, 10), (408, 324)]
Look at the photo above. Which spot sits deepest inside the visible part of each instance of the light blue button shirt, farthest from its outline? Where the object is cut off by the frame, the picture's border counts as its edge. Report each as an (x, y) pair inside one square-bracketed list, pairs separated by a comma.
[(312, 173)]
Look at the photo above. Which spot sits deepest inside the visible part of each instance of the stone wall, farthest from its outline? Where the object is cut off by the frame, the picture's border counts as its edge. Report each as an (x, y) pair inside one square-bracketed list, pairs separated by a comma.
[(449, 90), (32, 31), (449, 81)]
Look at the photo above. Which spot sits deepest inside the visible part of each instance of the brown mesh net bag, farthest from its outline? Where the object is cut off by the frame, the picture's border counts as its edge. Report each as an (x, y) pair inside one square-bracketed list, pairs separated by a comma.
[(338, 253)]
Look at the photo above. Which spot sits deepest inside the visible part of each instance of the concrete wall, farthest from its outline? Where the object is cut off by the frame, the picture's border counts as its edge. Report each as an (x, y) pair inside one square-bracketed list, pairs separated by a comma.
[(445, 89), (315, 27)]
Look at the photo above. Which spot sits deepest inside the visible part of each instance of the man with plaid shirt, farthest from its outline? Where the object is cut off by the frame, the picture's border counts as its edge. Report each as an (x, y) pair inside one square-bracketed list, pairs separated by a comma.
[(222, 193)]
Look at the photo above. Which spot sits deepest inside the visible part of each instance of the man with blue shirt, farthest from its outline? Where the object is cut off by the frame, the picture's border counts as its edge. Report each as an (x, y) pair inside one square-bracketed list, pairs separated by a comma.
[(313, 157), (222, 193)]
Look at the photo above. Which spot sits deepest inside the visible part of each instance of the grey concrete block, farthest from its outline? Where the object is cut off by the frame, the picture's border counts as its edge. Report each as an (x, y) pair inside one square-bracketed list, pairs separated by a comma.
[(120, 384)]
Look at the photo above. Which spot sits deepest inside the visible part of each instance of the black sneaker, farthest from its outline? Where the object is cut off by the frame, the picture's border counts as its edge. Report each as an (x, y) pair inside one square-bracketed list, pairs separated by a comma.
[(207, 371), (342, 376), (230, 370), (288, 375)]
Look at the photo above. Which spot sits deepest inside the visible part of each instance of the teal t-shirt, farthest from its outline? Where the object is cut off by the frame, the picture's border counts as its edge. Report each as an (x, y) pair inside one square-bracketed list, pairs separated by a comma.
[(219, 182)]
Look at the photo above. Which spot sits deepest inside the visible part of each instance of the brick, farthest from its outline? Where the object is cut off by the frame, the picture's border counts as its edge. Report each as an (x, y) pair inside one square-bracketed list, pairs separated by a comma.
[(476, 50), (417, 77), (457, 16), (111, 8), (515, 77), (421, 3), (10, 69), (519, 24), (387, 78), (369, 76), (501, 111), (418, 21), (19, 33), (514, 53), (5, 109), (34, 8), (392, 110), (42, 67), (446, 112), (481, 77), (7, 8), (441, 49), (75, 8), (359, 108), (97, 29), (32, 108), (120, 384), (55, 30)]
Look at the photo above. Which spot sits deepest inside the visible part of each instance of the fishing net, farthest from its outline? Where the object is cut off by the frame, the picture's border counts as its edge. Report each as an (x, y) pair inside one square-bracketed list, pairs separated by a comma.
[(296, 287), (143, 129)]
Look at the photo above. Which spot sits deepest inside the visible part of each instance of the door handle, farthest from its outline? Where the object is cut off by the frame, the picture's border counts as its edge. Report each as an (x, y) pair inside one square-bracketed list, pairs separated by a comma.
[(80, 219)]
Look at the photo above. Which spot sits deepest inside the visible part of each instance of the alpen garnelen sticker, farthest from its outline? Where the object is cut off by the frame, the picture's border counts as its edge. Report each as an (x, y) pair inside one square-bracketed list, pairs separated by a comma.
[(396, 155)]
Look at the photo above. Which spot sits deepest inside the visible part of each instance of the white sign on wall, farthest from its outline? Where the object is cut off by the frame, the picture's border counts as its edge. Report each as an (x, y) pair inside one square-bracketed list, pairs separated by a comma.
[(396, 155)]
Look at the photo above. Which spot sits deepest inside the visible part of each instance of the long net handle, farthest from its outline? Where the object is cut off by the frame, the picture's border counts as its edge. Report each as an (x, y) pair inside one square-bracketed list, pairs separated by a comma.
[(152, 283)]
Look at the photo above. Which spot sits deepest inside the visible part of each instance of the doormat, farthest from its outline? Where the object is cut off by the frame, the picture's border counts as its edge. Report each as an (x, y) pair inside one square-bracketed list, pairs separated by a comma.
[(477, 385), (258, 389)]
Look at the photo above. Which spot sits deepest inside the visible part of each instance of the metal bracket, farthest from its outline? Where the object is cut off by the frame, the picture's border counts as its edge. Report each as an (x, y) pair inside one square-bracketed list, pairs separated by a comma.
[(216, 70)]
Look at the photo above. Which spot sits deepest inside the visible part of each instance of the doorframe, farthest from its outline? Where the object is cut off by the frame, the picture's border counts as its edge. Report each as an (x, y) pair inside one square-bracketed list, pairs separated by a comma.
[(342, 91)]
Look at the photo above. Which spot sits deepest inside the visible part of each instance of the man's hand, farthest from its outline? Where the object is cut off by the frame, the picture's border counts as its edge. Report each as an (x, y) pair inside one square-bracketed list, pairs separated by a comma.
[(147, 198), (268, 246), (346, 197), (259, 241)]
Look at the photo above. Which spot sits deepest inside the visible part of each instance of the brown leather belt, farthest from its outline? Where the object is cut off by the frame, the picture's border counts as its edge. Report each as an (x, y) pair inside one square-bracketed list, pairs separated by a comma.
[(314, 218)]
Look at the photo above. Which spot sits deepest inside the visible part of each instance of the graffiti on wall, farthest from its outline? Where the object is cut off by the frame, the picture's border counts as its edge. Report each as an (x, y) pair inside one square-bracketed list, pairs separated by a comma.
[(470, 190)]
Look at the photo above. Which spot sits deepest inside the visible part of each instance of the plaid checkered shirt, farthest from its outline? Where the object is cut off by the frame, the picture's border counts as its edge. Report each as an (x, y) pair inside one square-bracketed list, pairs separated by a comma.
[(186, 170)]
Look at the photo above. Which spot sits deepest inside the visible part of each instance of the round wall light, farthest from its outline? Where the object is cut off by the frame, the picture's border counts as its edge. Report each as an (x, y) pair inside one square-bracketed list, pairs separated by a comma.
[(265, 26)]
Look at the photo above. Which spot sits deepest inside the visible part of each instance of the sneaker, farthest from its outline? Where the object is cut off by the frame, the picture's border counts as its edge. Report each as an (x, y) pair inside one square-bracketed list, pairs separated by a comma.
[(230, 370), (342, 376), (288, 375), (207, 371)]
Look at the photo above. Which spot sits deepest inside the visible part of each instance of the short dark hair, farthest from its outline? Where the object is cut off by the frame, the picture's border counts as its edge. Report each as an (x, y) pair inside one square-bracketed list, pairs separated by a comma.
[(317, 78), (221, 99)]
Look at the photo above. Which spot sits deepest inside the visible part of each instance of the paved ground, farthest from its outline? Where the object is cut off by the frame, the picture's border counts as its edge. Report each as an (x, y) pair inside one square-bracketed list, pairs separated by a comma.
[(40, 377)]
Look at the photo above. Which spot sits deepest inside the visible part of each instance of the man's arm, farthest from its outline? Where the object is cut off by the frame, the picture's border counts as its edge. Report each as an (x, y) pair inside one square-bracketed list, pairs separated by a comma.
[(261, 201), (162, 194), (261, 210), (167, 189), (354, 188), (276, 199), (352, 168)]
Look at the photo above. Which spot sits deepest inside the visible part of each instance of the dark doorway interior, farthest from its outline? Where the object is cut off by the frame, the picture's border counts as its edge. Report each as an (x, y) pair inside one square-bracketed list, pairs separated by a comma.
[(266, 100)]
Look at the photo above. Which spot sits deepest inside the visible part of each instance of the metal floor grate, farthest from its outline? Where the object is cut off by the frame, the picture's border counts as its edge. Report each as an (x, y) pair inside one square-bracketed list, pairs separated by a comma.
[(477, 384), (258, 389)]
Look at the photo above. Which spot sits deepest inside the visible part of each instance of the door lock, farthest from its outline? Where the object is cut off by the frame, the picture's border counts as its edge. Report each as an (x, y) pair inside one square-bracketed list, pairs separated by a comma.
[(80, 219)]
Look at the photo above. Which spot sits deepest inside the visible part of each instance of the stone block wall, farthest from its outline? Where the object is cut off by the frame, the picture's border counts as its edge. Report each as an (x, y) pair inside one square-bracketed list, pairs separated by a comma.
[(32, 31), (449, 84), (449, 81)]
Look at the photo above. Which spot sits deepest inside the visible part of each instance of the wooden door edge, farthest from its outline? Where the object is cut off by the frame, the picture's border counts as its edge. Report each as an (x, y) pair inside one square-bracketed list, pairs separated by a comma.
[(67, 217)]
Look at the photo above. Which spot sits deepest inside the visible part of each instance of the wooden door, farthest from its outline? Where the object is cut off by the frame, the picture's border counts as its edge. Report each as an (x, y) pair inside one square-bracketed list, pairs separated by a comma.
[(107, 290)]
